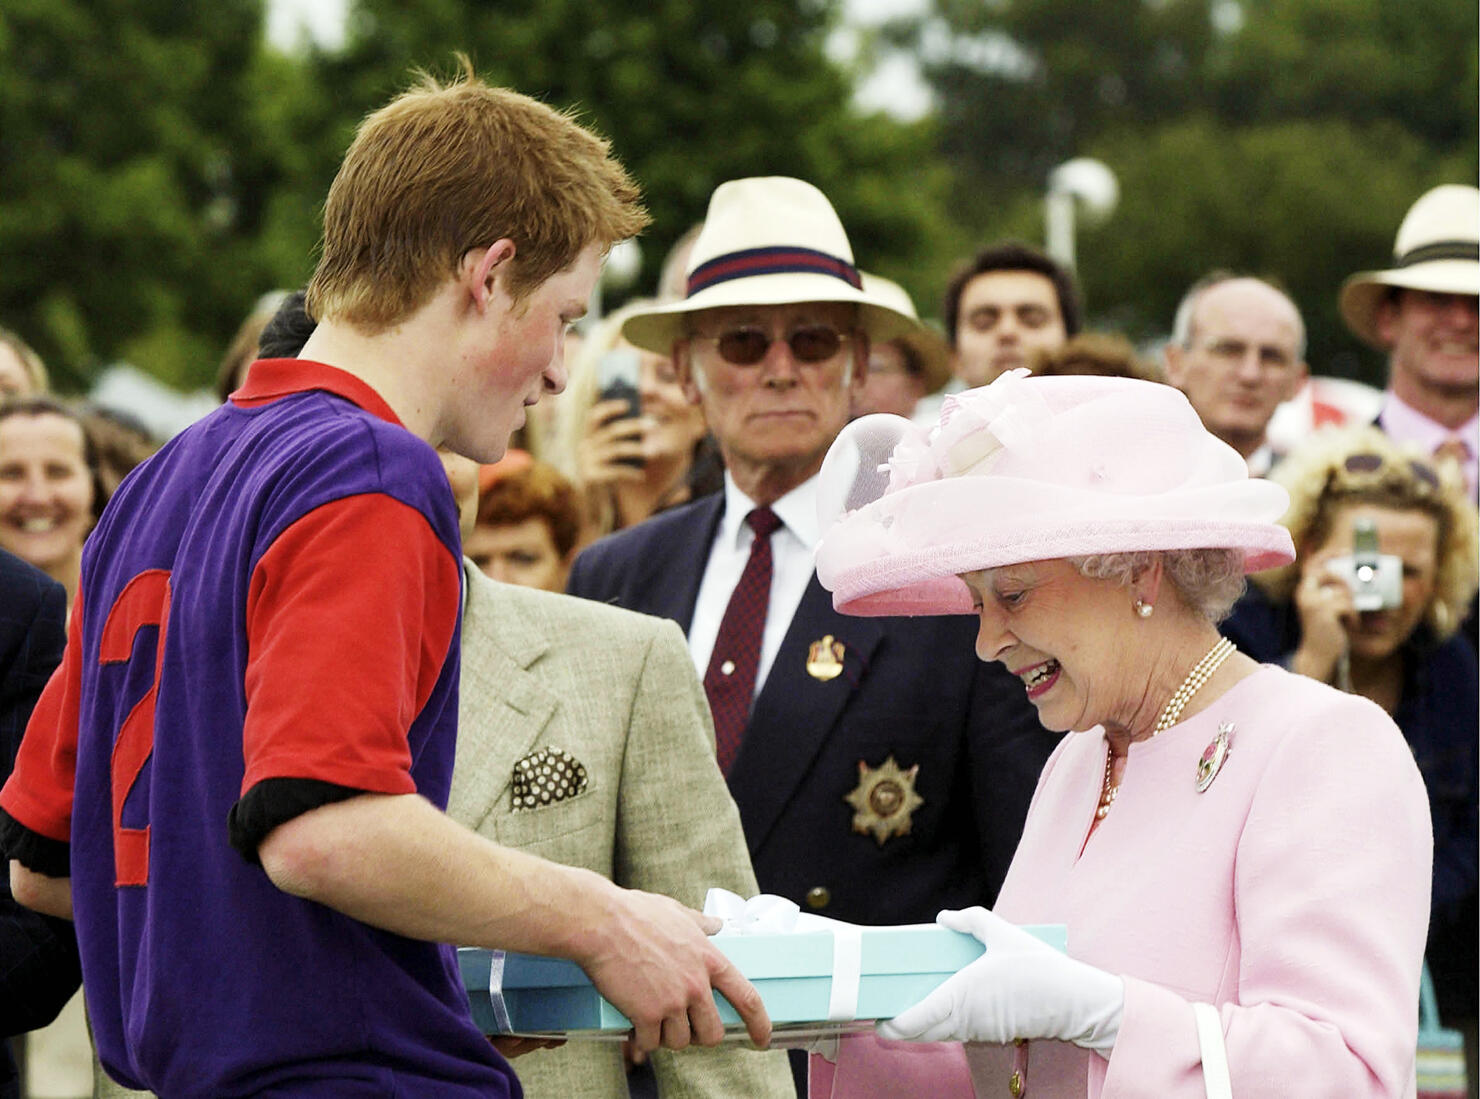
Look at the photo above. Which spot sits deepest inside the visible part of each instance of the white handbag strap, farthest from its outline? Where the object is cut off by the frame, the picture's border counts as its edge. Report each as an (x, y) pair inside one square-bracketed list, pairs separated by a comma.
[(1214, 1057)]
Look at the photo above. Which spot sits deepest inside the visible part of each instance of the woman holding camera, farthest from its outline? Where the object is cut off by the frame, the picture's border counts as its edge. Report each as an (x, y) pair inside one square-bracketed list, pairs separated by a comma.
[(1385, 573), (628, 436)]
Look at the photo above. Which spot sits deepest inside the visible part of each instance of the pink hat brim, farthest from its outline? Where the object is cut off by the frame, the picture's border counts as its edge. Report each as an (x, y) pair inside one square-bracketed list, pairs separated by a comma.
[(965, 524)]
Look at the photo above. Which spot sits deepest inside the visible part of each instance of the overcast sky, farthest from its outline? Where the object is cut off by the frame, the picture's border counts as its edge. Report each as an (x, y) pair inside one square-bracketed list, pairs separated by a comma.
[(895, 86)]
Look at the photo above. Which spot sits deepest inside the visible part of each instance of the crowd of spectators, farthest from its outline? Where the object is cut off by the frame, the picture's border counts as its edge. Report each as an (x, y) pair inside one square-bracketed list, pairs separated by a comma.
[(652, 483)]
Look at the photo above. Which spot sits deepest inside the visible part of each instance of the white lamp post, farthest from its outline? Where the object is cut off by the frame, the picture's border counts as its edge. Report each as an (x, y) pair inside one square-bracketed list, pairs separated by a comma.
[(1078, 187)]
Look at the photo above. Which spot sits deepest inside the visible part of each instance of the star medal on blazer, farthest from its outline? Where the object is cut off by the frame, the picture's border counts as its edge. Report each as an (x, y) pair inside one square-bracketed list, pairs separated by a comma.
[(884, 800), (825, 659), (1214, 756)]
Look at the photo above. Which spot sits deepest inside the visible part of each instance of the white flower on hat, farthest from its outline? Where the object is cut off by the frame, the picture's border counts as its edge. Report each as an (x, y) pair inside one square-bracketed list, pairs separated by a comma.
[(912, 462), (977, 425)]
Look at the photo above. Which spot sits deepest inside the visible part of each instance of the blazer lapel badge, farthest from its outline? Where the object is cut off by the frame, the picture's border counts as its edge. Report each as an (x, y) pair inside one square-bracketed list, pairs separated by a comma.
[(884, 800), (825, 659)]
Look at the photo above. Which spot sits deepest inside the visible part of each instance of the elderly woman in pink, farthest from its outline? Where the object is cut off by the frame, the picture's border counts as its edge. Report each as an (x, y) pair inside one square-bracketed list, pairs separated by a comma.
[(1240, 854)]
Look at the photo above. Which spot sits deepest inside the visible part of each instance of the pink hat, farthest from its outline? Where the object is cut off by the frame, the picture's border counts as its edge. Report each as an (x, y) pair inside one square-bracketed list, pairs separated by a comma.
[(1030, 469)]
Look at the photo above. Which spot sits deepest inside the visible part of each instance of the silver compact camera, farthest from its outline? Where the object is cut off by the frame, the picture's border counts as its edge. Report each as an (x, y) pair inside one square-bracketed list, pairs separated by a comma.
[(1375, 579)]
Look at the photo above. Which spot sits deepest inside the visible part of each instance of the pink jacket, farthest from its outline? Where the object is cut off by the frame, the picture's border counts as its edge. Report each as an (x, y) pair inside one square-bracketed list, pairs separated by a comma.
[(1293, 894)]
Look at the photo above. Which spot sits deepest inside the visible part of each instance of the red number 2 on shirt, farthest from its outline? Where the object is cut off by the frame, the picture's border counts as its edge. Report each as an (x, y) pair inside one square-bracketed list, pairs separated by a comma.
[(144, 601)]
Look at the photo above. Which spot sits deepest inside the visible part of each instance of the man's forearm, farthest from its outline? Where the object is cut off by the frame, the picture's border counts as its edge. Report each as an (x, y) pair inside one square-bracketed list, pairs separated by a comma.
[(398, 863)]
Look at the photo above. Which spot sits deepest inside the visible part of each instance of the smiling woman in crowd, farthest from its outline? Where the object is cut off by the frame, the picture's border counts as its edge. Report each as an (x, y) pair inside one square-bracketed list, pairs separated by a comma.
[(629, 467), (1240, 855), (50, 495)]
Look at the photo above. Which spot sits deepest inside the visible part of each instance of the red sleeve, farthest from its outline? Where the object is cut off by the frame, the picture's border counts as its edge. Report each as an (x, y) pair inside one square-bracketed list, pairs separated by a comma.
[(350, 614), (39, 791)]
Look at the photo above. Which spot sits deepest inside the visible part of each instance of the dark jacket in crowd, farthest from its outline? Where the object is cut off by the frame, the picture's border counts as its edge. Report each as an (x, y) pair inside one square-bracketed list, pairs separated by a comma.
[(39, 970)]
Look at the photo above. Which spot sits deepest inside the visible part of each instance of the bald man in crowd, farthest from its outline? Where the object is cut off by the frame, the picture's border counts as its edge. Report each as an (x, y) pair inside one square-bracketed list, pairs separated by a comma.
[(1237, 350)]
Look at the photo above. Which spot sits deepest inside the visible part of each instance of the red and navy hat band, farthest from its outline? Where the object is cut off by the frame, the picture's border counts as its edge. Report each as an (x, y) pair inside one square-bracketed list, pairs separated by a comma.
[(1439, 250), (775, 260)]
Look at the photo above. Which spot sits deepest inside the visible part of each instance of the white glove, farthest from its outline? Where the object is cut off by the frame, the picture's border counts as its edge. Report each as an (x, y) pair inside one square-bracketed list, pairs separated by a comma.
[(1020, 988)]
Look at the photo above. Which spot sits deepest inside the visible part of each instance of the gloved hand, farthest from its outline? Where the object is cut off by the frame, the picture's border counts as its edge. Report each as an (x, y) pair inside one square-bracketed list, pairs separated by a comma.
[(1020, 988)]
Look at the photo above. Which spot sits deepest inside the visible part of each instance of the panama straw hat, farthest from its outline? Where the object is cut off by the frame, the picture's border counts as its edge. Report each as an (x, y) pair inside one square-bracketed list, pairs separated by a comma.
[(923, 340), (1031, 469), (1437, 249), (767, 240)]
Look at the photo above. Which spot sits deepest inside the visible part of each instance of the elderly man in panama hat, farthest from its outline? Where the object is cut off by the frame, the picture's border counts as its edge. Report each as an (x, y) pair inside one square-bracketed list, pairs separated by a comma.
[(874, 785), (1422, 312)]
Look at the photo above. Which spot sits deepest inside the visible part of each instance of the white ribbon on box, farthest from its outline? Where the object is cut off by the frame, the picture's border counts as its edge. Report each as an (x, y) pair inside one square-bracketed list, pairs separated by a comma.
[(496, 991), (767, 914)]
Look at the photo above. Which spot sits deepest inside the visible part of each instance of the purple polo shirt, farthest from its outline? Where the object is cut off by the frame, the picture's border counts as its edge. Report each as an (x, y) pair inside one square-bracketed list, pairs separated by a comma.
[(272, 596)]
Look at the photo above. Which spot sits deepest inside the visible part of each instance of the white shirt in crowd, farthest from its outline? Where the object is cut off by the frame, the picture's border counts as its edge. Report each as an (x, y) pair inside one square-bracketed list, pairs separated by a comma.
[(793, 547)]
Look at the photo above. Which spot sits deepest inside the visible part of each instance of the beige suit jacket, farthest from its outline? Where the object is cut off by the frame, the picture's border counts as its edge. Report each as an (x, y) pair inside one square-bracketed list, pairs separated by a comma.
[(617, 691)]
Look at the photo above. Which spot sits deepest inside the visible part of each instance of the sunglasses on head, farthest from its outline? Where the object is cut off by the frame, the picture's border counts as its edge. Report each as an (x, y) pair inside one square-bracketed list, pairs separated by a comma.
[(1371, 463), (748, 345)]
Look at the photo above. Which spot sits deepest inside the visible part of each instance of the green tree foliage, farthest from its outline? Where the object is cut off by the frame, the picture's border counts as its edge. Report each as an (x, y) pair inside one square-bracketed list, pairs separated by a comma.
[(1304, 203), (689, 94), (160, 168), (133, 178), (1280, 137)]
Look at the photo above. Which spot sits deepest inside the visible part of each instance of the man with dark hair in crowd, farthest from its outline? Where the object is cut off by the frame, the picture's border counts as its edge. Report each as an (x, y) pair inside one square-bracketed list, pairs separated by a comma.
[(1003, 304)]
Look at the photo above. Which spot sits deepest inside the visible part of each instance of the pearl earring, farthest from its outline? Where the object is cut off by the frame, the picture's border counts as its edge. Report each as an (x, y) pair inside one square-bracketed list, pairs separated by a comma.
[(1143, 608)]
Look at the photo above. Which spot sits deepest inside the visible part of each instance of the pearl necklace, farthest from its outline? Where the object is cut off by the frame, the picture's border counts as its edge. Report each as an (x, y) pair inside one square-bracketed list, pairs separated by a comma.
[(1201, 672), (1107, 792)]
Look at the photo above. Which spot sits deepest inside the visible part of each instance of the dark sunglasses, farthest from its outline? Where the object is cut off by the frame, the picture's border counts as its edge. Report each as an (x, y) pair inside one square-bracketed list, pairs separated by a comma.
[(1371, 463), (811, 343)]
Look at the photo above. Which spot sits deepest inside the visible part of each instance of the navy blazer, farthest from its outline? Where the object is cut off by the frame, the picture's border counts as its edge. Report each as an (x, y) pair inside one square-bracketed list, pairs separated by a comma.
[(911, 689), (38, 955)]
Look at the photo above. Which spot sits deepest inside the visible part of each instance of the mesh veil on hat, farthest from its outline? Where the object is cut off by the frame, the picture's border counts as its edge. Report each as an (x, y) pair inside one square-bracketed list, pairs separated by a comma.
[(1030, 469), (767, 240), (1437, 249)]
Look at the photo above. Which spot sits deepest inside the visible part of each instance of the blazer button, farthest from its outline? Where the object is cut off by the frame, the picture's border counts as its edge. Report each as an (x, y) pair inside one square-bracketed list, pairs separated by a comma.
[(818, 897)]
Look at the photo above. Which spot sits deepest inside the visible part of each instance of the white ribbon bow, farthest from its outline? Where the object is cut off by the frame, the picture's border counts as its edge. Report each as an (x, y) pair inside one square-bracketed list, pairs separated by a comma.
[(767, 914), (763, 914)]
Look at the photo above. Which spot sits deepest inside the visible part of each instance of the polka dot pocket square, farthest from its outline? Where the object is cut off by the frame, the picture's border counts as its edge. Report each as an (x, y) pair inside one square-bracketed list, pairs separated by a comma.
[(545, 777)]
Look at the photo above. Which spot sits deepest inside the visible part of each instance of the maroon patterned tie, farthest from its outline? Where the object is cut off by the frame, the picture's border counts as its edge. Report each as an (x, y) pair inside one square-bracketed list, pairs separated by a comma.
[(730, 680)]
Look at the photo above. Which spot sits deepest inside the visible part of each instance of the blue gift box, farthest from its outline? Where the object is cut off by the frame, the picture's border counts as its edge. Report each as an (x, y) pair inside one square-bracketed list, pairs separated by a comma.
[(898, 967)]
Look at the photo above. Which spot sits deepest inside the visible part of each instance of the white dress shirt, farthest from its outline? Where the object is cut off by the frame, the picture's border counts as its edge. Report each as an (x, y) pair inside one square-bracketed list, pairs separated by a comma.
[(793, 547)]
